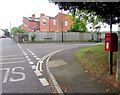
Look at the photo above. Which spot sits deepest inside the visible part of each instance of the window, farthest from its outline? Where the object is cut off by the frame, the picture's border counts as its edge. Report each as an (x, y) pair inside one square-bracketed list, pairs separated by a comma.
[(43, 22), (54, 22), (104, 26), (25, 24), (66, 23)]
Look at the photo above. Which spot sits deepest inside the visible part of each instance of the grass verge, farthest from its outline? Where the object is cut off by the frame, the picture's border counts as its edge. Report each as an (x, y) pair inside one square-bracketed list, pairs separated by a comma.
[(95, 60)]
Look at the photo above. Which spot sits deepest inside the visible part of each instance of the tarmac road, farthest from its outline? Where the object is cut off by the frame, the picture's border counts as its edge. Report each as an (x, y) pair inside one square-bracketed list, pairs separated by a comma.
[(18, 62)]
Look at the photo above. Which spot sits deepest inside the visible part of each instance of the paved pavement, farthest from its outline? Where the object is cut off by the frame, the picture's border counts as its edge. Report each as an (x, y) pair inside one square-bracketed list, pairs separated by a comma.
[(72, 77), (18, 62)]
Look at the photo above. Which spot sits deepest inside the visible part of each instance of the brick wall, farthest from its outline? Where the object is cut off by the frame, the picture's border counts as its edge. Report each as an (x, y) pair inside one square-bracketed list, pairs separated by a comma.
[(52, 23), (64, 18), (44, 27), (32, 24), (58, 26), (25, 21), (27, 24)]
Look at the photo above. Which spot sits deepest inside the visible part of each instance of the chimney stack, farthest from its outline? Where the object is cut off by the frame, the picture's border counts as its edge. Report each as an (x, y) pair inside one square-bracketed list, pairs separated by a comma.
[(33, 16), (42, 15)]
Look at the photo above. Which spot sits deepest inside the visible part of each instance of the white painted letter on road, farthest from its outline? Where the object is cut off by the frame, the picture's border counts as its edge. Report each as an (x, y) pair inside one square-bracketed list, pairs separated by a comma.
[(17, 73)]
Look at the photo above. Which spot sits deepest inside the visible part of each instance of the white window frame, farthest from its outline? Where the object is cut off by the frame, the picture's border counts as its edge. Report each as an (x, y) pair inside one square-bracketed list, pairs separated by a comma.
[(44, 22), (54, 22), (25, 24), (66, 23)]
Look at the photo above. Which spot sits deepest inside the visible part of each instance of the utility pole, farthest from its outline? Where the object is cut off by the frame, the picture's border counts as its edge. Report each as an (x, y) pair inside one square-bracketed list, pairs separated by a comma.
[(10, 26), (110, 59), (10, 29), (62, 25), (49, 24)]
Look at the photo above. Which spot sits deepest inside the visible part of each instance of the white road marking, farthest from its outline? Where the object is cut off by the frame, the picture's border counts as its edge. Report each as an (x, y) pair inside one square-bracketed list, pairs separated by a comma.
[(31, 62), (37, 73), (33, 67), (6, 74), (44, 82), (35, 56), (27, 56), (28, 59), (23, 77), (12, 62), (43, 58), (38, 58), (12, 58), (30, 51)]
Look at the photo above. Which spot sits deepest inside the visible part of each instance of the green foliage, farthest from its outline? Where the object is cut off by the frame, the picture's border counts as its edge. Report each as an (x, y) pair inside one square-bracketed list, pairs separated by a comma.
[(103, 9), (95, 59), (17, 30), (33, 35), (78, 26), (82, 18), (6, 32)]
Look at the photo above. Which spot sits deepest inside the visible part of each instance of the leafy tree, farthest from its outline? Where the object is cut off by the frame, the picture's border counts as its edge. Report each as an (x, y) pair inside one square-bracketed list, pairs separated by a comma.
[(83, 18), (109, 12), (17, 30), (78, 26), (6, 32), (106, 10)]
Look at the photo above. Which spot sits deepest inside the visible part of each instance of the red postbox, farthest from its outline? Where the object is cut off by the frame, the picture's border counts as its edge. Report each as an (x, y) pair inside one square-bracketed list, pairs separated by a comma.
[(111, 42)]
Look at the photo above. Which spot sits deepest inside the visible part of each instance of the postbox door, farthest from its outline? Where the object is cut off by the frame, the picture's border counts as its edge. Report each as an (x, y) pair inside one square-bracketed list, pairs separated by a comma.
[(111, 42), (107, 43)]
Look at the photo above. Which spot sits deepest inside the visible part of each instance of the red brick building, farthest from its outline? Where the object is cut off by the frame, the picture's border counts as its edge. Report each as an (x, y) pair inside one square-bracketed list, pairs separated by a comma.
[(31, 23), (61, 22)]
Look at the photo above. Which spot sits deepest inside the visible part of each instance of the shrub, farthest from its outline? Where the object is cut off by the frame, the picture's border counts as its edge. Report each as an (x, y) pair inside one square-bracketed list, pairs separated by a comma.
[(33, 35)]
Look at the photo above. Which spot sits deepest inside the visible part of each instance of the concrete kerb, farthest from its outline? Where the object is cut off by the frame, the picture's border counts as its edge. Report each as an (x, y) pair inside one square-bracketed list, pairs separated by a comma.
[(56, 85)]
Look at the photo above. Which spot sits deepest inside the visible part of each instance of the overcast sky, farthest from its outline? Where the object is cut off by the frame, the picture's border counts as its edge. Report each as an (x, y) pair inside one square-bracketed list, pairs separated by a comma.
[(14, 10)]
